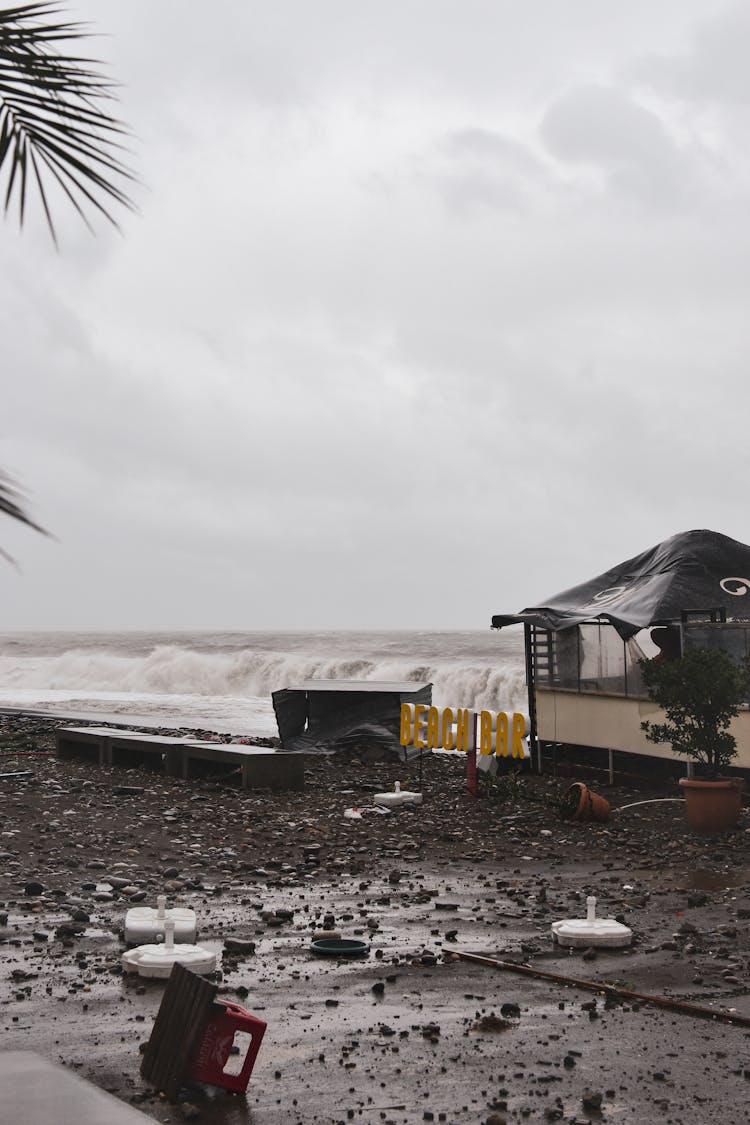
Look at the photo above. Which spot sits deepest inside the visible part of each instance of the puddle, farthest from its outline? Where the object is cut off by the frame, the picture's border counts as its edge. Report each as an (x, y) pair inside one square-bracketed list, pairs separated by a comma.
[(699, 879), (703, 879)]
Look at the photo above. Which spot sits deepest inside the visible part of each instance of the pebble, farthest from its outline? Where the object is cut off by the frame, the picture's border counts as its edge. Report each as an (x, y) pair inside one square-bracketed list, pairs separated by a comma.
[(116, 883), (239, 945), (231, 866), (592, 1099)]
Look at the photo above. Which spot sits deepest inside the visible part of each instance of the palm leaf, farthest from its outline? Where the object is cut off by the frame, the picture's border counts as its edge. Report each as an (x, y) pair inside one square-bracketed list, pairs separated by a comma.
[(54, 115), (11, 504)]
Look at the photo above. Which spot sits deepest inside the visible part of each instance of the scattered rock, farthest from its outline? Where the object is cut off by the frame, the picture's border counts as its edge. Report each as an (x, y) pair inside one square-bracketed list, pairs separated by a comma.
[(592, 1099), (239, 945), (492, 1022)]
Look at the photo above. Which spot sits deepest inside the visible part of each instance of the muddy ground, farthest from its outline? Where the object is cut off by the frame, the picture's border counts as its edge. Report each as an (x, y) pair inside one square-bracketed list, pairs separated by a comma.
[(407, 1033)]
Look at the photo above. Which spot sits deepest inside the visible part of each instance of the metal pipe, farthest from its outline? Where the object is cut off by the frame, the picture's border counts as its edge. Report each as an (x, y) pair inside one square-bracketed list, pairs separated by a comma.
[(610, 990)]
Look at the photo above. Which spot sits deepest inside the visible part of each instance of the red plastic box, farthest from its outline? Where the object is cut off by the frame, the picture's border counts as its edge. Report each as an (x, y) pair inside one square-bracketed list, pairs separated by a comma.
[(214, 1050)]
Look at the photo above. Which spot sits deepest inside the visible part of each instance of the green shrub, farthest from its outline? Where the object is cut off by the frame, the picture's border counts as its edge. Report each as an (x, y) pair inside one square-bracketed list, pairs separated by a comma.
[(700, 693)]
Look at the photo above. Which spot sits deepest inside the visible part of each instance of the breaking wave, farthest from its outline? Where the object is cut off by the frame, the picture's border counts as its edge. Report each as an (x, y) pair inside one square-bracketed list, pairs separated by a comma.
[(172, 670)]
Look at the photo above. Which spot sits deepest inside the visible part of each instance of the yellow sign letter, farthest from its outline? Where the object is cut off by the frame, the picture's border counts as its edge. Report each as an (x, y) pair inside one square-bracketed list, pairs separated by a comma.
[(501, 749), (433, 729), (419, 708), (463, 731), (446, 731), (405, 728), (519, 729), (485, 732)]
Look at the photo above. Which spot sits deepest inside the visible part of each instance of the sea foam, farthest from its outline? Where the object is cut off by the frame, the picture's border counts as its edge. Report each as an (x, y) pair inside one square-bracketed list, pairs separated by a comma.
[(175, 670)]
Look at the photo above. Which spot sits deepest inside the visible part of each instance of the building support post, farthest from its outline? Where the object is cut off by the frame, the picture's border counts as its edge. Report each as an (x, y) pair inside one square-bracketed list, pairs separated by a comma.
[(528, 643)]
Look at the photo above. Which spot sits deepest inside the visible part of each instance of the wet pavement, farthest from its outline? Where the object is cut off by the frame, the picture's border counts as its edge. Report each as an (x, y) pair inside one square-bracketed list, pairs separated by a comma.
[(407, 1033)]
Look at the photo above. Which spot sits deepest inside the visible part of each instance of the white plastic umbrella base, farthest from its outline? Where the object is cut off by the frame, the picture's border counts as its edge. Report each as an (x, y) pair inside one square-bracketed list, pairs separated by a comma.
[(591, 931), (581, 934), (145, 924), (394, 800), (158, 960)]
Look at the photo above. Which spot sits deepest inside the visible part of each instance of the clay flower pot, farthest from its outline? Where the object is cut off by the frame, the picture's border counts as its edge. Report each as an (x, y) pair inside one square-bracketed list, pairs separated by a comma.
[(581, 803), (712, 806)]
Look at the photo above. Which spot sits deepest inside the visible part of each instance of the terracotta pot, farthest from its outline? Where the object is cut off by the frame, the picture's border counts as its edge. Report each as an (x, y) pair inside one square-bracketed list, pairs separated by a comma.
[(591, 806), (712, 806)]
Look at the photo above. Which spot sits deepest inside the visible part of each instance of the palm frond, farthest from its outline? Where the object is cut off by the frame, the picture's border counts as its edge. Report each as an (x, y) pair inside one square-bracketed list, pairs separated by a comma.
[(54, 115), (11, 504)]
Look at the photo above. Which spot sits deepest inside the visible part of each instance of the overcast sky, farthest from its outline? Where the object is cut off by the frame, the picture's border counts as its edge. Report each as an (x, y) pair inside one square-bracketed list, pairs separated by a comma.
[(430, 310)]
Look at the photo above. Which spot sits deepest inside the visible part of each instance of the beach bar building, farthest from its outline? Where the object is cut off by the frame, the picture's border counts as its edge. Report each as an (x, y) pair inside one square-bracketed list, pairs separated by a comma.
[(583, 646)]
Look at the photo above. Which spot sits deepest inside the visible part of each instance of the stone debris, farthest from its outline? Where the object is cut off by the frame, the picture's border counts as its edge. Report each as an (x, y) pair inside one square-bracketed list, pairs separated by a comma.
[(405, 1031)]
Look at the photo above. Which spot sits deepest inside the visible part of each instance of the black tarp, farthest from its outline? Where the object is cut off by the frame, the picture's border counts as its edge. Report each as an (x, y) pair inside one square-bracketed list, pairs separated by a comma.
[(695, 570), (347, 715)]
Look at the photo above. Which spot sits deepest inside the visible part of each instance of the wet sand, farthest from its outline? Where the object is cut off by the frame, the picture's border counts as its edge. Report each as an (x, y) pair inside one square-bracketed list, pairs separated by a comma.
[(401, 1035)]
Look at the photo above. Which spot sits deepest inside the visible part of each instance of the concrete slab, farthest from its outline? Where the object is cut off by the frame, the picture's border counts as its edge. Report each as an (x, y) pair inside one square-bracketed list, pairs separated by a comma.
[(37, 1092)]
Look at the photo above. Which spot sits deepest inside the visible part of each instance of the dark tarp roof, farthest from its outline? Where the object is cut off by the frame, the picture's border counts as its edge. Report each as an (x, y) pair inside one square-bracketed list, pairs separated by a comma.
[(696, 570)]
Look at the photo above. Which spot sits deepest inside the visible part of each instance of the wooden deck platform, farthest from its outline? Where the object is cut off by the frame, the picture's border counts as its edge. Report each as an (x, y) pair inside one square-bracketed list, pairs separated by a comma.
[(255, 768)]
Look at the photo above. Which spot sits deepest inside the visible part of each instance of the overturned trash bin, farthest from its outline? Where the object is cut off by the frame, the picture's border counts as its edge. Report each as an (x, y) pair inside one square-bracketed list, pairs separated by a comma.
[(197, 1038)]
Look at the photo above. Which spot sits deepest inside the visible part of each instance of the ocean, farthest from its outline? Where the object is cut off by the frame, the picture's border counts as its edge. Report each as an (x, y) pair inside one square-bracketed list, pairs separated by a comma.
[(223, 681)]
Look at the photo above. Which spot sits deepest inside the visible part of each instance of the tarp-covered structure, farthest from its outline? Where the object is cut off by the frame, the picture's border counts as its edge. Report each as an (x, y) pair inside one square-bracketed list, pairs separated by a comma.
[(362, 716), (693, 571)]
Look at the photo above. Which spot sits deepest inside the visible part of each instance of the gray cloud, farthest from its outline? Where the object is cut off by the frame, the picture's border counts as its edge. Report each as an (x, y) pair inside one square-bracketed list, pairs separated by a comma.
[(604, 128), (475, 167), (424, 315), (712, 66)]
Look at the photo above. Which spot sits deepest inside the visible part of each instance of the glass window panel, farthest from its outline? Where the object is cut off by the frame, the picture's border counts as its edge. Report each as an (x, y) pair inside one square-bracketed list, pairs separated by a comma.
[(566, 659), (733, 638), (602, 658)]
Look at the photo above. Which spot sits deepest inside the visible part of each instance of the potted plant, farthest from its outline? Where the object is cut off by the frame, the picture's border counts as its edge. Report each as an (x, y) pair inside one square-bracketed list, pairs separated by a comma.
[(700, 693), (578, 802)]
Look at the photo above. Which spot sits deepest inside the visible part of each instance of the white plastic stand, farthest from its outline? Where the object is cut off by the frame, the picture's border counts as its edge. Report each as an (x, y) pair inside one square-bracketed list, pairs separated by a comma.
[(144, 923), (397, 798), (582, 933), (157, 960)]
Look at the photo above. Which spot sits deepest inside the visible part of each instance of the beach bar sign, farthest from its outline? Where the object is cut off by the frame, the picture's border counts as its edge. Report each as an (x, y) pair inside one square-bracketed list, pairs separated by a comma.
[(502, 733)]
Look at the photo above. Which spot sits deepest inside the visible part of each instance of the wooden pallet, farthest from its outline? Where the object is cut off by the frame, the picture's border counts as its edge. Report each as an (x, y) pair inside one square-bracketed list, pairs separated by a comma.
[(186, 1007)]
